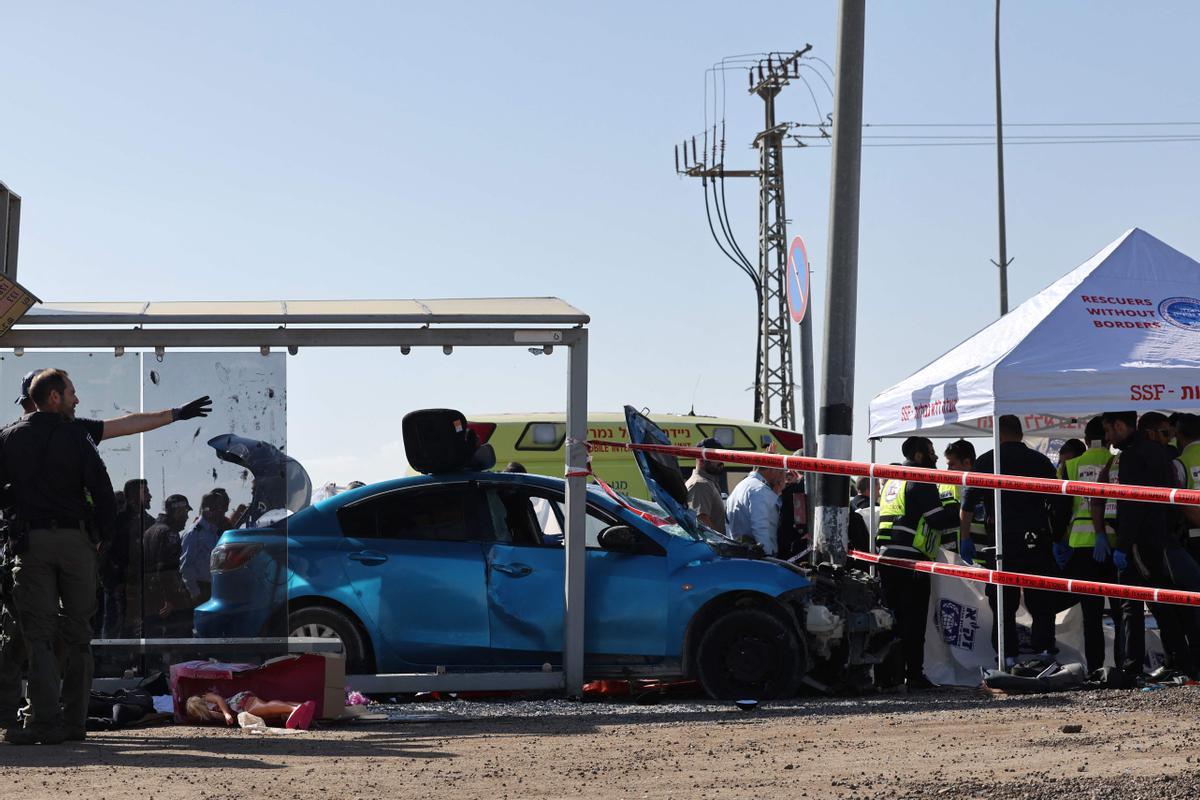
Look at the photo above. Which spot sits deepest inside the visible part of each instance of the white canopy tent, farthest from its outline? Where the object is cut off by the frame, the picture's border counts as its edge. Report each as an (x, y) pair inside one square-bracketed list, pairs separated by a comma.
[(1119, 332)]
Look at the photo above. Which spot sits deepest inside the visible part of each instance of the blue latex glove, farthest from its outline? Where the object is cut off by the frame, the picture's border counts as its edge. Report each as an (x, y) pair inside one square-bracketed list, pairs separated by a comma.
[(1121, 560), (1101, 551), (966, 549), (1062, 554)]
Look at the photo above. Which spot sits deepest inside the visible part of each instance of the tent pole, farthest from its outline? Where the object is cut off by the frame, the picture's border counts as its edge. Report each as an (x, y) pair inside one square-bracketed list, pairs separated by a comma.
[(872, 514), (999, 525)]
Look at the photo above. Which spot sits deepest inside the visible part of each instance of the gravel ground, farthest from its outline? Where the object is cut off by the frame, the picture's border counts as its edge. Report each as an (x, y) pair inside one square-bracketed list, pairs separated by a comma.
[(955, 744)]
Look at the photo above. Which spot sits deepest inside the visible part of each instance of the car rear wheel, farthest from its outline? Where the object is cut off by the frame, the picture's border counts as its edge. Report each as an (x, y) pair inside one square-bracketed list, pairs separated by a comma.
[(749, 654), (327, 623)]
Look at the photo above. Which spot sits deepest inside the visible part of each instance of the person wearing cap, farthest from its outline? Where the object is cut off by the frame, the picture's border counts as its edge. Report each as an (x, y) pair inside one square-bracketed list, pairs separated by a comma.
[(167, 603), (198, 544), (101, 430), (704, 489)]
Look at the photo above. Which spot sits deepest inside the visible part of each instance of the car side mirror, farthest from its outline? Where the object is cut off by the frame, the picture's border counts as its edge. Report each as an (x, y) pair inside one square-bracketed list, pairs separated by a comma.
[(623, 539)]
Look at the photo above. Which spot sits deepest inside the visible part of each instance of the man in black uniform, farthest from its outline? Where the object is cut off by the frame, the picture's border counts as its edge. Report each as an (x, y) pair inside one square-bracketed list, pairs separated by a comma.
[(911, 515), (53, 467), (12, 647), (1148, 551), (1026, 533)]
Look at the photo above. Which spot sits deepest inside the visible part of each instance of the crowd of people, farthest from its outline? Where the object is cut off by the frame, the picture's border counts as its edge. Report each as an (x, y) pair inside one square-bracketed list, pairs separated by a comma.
[(155, 570), (1126, 542), (67, 552)]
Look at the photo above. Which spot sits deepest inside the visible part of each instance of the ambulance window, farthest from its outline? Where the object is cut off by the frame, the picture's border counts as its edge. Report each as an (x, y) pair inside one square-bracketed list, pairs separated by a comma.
[(542, 436), (731, 437)]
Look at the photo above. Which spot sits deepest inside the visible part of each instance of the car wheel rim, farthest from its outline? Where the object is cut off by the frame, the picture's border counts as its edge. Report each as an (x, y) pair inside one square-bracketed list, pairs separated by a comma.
[(749, 660), (316, 631)]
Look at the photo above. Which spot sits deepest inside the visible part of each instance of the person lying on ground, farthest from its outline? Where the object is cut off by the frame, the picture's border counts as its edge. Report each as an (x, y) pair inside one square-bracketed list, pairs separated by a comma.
[(211, 707)]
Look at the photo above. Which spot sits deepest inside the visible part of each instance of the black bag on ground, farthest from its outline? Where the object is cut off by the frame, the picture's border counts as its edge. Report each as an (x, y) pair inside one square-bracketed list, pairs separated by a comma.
[(113, 710), (440, 440)]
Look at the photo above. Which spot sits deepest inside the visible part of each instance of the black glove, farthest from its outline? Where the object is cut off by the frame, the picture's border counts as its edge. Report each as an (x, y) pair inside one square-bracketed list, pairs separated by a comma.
[(196, 408)]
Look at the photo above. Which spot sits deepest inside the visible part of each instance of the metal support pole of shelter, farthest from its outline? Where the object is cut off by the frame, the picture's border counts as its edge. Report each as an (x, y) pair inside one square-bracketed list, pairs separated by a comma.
[(999, 525), (576, 541), (873, 527)]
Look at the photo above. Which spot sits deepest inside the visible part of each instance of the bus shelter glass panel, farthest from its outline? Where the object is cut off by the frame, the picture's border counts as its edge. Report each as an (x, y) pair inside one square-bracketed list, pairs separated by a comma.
[(108, 389), (223, 487)]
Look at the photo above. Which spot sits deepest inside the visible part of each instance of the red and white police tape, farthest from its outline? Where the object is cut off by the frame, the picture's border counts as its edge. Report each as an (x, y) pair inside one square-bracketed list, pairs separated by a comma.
[(1048, 583), (981, 480)]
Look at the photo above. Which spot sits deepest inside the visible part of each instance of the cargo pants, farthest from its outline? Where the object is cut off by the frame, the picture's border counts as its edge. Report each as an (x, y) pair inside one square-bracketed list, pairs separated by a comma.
[(54, 584)]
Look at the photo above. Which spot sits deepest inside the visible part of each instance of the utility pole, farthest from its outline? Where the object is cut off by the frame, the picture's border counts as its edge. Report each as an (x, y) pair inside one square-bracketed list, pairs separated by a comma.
[(774, 396), (1004, 260), (841, 301)]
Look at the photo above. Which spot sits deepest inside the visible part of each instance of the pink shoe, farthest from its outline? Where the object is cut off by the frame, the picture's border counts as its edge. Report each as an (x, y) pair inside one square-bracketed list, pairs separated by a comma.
[(302, 717)]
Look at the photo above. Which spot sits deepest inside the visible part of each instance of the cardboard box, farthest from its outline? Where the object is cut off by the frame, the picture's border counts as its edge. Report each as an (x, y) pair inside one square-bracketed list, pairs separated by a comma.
[(333, 701)]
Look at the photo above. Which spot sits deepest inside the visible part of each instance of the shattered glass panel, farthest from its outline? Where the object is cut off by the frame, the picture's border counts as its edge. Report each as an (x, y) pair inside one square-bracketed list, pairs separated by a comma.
[(226, 471)]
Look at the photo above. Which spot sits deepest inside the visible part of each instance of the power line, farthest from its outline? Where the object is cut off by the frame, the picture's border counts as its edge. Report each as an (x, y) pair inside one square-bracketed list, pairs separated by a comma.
[(1009, 124), (822, 142)]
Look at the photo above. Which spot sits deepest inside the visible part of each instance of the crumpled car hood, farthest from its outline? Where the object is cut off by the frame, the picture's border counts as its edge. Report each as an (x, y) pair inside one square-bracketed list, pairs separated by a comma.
[(280, 482)]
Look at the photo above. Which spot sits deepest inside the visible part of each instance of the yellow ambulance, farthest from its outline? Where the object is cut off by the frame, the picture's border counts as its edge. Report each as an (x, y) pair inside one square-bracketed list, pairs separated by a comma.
[(536, 441)]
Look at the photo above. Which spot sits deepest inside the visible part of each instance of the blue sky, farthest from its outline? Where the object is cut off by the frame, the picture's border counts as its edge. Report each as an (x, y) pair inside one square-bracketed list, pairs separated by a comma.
[(303, 150)]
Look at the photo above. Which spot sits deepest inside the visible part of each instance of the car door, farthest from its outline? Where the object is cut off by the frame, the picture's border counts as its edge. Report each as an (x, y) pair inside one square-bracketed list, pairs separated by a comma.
[(626, 608), (414, 557)]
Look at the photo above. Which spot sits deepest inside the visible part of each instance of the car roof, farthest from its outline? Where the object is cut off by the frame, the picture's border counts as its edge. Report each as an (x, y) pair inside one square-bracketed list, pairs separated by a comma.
[(332, 504)]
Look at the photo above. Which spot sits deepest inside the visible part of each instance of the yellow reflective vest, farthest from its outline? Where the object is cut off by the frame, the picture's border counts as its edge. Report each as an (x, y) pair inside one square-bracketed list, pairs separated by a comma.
[(1087, 468), (891, 511)]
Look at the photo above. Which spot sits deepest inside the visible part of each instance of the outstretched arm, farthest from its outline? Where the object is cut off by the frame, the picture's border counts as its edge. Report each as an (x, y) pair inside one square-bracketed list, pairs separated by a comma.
[(150, 420), (224, 713)]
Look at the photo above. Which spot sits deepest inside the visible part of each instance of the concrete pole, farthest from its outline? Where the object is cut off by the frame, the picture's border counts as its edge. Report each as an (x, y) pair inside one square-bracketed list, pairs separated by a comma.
[(574, 631), (1003, 263), (836, 421)]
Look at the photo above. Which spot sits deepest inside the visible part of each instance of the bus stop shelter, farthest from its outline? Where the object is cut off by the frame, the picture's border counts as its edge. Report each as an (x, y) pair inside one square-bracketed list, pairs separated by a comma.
[(539, 324)]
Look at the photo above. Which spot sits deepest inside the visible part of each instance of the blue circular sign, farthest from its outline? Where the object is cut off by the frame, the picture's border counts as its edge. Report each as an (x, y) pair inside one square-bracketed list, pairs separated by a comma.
[(1182, 312), (797, 279)]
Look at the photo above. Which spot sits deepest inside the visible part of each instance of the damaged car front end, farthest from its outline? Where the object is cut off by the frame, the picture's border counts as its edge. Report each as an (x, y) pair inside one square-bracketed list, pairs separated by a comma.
[(840, 626)]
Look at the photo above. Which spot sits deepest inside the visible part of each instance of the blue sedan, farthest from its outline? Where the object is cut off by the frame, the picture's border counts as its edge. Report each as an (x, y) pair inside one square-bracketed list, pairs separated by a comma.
[(464, 571)]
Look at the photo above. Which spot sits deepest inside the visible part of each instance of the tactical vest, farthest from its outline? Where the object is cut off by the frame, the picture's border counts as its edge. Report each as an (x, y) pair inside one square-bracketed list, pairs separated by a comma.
[(1087, 468), (891, 532)]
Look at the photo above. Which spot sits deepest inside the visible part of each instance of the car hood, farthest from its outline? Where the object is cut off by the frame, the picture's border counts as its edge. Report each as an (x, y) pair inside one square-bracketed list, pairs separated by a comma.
[(661, 472), (281, 484)]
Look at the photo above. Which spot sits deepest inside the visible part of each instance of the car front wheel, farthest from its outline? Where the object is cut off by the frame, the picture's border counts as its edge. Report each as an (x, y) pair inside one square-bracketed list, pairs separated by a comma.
[(327, 623), (749, 654)]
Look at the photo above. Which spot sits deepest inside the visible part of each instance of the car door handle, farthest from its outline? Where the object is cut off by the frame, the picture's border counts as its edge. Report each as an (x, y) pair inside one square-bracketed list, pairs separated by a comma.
[(516, 570), (369, 557)]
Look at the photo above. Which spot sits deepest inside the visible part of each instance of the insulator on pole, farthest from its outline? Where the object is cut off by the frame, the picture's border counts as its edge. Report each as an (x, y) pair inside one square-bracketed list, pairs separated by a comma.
[(677, 158), (694, 157)]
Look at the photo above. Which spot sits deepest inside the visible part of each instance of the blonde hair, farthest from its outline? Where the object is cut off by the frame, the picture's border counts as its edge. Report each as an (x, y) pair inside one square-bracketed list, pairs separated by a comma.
[(196, 709)]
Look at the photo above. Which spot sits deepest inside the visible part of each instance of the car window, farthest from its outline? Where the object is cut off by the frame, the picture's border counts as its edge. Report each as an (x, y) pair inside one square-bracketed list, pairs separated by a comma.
[(512, 516), (596, 521), (442, 514)]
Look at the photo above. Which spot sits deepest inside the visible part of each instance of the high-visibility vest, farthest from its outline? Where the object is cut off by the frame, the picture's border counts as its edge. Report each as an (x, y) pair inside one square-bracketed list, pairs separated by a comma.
[(1190, 461), (1087, 468), (891, 511)]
